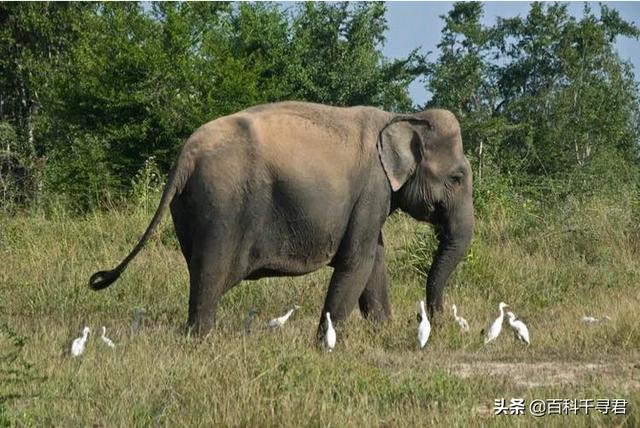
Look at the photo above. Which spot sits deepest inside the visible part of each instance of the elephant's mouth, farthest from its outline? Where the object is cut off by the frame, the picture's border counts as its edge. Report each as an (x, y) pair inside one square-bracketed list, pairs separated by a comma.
[(417, 202), (435, 212), (430, 207), (429, 213)]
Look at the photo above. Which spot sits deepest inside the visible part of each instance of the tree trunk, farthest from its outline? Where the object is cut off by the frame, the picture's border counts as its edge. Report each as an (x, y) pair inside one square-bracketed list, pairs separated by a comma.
[(480, 150)]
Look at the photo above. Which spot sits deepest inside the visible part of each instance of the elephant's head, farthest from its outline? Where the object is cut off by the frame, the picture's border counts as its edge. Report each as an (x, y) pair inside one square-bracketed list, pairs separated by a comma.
[(430, 178)]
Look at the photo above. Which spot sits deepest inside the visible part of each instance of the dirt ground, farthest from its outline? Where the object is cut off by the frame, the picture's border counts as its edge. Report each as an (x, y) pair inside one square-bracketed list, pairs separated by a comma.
[(554, 373)]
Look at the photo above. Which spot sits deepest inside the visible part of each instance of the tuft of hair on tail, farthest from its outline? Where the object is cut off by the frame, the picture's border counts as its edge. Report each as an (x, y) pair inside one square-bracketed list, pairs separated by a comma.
[(103, 279)]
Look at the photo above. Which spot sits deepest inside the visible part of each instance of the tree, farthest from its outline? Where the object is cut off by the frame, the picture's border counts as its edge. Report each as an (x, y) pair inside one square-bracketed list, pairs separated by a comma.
[(34, 41), (547, 92), (464, 80), (129, 82), (336, 58)]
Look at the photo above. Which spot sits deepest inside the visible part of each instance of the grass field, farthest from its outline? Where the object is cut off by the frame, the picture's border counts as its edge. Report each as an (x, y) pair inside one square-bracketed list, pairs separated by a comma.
[(584, 262)]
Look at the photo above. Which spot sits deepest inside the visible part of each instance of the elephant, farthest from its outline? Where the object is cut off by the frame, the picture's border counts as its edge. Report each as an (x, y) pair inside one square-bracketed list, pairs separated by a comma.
[(284, 189)]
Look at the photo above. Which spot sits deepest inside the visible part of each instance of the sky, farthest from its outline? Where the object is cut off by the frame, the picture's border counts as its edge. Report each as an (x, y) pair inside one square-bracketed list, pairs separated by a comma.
[(413, 24)]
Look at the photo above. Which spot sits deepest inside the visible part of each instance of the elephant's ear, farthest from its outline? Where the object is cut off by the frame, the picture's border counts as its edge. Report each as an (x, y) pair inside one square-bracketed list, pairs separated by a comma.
[(399, 150)]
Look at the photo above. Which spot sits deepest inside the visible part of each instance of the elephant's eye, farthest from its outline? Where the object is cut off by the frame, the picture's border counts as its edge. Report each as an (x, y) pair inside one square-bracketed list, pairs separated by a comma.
[(457, 177)]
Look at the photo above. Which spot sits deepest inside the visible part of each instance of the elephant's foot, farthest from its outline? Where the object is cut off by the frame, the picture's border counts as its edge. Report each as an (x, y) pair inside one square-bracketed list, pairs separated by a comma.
[(374, 304), (434, 299), (200, 326), (374, 311), (436, 314)]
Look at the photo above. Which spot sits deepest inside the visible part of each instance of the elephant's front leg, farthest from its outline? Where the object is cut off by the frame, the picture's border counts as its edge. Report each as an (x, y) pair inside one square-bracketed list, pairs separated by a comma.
[(347, 284), (374, 300), (357, 255)]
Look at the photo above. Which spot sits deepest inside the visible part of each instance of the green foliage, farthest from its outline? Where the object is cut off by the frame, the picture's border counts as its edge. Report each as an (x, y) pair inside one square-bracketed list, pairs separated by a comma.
[(33, 40), (90, 91), (119, 83), (8, 165), (8, 136), (336, 58), (147, 186), (540, 97), (17, 374), (81, 173)]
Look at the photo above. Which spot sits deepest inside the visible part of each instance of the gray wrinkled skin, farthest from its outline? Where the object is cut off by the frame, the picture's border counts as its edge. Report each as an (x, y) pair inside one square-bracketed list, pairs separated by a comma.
[(284, 189)]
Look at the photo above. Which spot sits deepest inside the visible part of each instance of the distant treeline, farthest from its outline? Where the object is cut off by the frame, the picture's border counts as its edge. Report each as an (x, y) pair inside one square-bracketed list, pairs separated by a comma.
[(97, 98)]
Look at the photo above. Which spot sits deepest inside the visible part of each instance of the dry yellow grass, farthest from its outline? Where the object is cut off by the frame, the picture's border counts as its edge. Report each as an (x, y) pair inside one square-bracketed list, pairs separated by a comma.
[(550, 273)]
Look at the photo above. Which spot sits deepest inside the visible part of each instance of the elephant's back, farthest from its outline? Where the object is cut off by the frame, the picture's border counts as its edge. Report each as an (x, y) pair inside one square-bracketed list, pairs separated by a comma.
[(303, 151), (310, 137), (292, 126)]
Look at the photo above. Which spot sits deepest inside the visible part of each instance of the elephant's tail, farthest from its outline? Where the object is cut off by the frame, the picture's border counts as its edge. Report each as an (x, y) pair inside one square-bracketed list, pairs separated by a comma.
[(175, 184)]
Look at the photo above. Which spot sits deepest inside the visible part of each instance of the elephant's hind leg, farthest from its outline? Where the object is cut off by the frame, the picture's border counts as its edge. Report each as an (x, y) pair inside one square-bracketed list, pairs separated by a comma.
[(374, 300), (210, 276), (181, 225)]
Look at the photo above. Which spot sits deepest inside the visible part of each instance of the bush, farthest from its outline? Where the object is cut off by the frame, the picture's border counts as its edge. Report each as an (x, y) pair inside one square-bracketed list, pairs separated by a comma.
[(147, 185)]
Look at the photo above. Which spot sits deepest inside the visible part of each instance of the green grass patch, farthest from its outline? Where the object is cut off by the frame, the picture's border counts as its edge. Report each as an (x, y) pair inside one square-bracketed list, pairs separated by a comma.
[(551, 269)]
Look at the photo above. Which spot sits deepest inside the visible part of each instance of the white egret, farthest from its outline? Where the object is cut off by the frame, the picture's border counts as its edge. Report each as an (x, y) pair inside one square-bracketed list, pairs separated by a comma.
[(521, 330), (424, 328), (496, 327), (78, 345), (591, 319), (464, 325), (105, 339), (279, 322), (330, 336)]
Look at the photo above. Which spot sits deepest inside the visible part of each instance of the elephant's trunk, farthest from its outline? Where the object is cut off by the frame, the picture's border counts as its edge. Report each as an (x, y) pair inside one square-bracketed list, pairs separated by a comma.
[(454, 233)]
